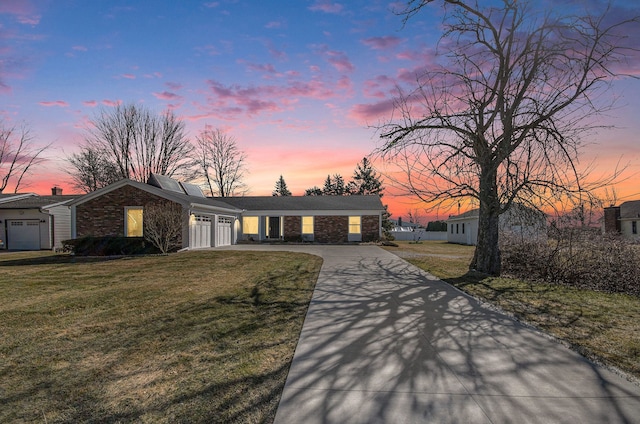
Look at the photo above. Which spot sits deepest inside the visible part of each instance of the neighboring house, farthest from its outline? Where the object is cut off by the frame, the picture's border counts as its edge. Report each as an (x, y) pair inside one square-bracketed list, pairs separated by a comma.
[(623, 219), (321, 219), (518, 220), (32, 222), (213, 222)]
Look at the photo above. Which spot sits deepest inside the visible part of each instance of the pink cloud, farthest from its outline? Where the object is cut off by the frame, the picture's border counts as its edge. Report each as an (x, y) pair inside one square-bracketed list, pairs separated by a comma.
[(407, 55), (173, 85), (326, 6), (90, 103), (79, 48), (23, 10), (107, 102), (382, 43), (233, 100), (56, 103), (379, 86), (338, 59), (266, 68), (365, 113), (166, 95), (128, 76)]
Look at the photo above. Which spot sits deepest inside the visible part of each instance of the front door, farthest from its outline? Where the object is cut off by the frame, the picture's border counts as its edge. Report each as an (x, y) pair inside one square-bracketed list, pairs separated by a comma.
[(274, 227)]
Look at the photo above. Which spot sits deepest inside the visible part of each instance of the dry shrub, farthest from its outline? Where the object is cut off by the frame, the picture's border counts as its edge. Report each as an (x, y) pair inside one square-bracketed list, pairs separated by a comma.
[(581, 258)]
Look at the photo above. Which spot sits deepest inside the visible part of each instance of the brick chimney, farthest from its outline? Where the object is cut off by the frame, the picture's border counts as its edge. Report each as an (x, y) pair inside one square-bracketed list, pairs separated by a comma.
[(612, 220), (56, 191)]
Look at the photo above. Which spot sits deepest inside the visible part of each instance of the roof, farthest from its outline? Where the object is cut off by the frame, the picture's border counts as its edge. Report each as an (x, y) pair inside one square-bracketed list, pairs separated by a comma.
[(630, 209), (184, 199), (306, 203), (34, 201), (473, 213)]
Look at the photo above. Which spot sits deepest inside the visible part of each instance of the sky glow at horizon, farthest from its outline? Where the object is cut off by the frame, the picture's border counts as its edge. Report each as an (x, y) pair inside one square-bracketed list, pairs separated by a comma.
[(298, 84)]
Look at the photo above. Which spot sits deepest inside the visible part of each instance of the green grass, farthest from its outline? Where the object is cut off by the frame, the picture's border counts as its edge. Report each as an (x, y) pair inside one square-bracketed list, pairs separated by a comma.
[(190, 337), (602, 326)]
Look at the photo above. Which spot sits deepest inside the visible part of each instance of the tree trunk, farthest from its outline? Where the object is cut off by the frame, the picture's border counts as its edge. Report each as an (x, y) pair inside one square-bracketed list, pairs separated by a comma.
[(486, 258)]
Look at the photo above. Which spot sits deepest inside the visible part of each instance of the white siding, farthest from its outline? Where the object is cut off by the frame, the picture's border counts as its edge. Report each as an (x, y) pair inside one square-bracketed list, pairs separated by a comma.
[(61, 224)]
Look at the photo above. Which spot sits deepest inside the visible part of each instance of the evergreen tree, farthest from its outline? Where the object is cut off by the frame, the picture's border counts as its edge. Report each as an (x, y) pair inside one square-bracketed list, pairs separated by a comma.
[(366, 180), (313, 191), (334, 186), (281, 188)]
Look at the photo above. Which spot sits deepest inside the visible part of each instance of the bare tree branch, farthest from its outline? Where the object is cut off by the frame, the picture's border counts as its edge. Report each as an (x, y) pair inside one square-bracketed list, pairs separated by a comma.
[(222, 163), (505, 115), (18, 155)]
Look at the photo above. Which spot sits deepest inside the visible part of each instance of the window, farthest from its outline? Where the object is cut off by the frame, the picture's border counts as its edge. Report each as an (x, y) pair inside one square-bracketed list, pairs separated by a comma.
[(457, 228), (133, 222), (307, 225), (250, 224), (354, 225), (634, 227), (463, 228), (451, 228)]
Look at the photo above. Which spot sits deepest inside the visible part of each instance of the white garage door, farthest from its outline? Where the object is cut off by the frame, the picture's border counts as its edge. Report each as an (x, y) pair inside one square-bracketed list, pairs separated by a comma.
[(23, 234), (201, 231), (223, 231)]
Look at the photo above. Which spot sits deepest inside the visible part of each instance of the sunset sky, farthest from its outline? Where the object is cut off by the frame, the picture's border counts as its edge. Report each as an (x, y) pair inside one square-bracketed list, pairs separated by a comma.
[(298, 83)]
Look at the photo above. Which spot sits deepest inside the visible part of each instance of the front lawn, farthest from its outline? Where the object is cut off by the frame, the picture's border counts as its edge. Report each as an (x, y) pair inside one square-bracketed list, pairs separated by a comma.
[(600, 325), (191, 337)]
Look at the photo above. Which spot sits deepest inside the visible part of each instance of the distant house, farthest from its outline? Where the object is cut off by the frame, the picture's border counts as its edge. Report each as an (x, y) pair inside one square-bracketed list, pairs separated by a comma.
[(623, 219), (518, 220), (118, 210), (33, 222)]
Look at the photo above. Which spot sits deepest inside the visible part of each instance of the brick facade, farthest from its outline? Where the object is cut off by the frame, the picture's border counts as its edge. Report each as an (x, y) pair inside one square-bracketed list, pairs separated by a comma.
[(104, 215), (331, 229), (292, 228), (370, 228)]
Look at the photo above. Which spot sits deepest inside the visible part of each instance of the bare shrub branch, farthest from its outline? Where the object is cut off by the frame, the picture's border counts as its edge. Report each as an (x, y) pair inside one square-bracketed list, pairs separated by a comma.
[(163, 225)]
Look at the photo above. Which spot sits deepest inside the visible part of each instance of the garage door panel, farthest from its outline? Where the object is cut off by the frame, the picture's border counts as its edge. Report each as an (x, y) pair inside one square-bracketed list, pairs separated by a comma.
[(201, 231), (23, 234), (223, 231)]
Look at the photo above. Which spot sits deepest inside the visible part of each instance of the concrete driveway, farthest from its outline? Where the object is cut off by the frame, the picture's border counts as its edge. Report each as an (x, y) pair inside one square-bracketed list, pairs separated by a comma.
[(384, 342)]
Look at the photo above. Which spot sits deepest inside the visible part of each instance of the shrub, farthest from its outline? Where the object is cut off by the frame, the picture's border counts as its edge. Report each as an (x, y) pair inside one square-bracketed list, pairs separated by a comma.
[(583, 259), (108, 246)]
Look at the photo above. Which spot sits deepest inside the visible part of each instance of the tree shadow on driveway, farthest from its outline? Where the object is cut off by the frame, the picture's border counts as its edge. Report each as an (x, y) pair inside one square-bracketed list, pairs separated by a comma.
[(386, 342)]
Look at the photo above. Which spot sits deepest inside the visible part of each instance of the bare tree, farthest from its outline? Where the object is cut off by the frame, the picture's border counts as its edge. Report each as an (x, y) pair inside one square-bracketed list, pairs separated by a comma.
[(221, 162), (163, 225), (137, 143), (91, 170), (502, 119), (18, 156)]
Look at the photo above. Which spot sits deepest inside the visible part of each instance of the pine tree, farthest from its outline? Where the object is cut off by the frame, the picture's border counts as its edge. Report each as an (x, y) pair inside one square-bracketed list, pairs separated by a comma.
[(366, 180), (281, 188), (313, 191), (334, 186)]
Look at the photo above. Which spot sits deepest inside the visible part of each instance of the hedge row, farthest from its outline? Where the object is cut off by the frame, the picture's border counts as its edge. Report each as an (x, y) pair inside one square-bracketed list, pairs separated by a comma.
[(579, 259), (109, 246)]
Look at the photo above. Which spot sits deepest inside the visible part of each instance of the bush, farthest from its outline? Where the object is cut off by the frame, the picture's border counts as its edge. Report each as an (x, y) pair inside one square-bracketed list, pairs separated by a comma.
[(573, 257), (109, 246)]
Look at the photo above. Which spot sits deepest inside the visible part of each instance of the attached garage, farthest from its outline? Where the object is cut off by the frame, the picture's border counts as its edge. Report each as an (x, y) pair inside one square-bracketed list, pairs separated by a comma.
[(200, 231), (224, 231), (23, 234)]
